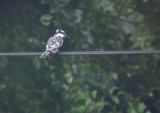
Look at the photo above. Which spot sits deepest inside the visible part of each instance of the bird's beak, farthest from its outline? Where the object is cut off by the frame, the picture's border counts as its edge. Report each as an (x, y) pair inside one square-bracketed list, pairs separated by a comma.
[(67, 36)]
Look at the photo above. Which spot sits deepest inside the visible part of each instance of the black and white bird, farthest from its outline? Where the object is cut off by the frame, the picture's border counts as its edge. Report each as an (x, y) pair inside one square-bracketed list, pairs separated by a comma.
[(54, 43)]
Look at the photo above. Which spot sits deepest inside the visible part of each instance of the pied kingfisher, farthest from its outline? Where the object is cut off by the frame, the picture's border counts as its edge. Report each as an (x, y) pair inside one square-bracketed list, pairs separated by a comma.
[(54, 43)]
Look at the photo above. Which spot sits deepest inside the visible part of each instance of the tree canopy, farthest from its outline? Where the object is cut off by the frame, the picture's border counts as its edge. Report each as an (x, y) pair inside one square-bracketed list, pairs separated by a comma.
[(80, 84)]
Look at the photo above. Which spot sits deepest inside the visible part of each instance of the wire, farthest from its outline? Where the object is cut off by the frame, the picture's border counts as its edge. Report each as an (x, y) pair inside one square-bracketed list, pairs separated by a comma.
[(83, 53), (111, 52), (20, 53)]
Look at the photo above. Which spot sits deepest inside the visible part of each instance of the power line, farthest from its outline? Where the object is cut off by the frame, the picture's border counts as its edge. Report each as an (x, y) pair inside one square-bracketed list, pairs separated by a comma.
[(20, 54), (111, 52), (83, 53)]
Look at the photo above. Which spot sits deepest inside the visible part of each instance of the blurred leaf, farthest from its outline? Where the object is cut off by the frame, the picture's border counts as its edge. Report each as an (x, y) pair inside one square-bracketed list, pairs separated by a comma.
[(141, 107), (46, 19)]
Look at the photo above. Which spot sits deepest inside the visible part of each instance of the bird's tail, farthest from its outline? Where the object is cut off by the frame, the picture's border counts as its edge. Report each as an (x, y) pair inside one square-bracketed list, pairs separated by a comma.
[(45, 54)]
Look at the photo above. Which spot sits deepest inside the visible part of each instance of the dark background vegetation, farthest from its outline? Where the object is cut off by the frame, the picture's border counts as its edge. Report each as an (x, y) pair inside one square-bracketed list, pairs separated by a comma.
[(80, 84)]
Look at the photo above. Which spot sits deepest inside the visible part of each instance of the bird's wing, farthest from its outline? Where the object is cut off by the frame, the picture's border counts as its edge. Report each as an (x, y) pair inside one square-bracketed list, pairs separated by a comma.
[(54, 43), (51, 41)]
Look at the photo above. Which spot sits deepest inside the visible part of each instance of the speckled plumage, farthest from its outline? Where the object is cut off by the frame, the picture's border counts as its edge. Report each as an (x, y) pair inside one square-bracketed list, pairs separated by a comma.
[(54, 43)]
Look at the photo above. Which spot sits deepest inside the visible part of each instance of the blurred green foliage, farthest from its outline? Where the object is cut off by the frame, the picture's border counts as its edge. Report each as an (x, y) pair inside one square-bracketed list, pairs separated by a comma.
[(80, 84)]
